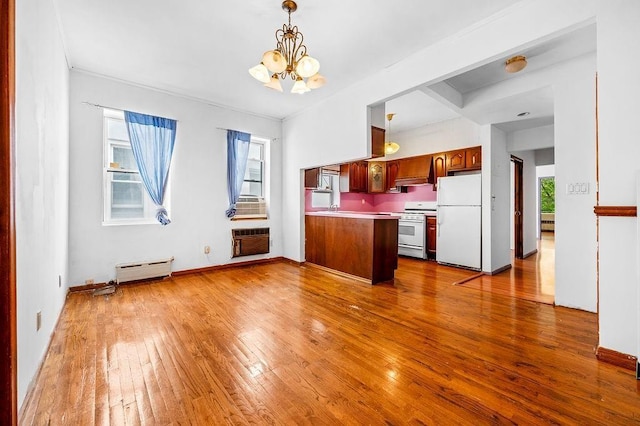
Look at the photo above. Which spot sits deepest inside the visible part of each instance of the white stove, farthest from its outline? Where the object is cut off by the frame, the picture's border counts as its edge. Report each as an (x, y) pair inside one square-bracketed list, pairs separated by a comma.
[(412, 230)]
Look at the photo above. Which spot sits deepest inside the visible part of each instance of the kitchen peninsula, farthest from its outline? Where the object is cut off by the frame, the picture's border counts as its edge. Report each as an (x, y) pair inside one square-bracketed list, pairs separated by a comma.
[(363, 245)]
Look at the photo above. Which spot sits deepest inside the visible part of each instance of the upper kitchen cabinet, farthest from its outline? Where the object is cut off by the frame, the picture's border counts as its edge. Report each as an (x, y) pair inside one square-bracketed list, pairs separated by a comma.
[(377, 177), (377, 142), (438, 167), (312, 178), (354, 177), (473, 158), (392, 175), (456, 160), (413, 170)]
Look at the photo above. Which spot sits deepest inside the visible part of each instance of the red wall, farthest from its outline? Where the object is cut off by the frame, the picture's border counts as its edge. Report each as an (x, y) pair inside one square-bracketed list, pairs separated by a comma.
[(353, 201)]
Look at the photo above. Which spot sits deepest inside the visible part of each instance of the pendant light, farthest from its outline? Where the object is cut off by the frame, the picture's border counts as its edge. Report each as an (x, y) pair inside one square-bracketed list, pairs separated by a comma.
[(390, 147)]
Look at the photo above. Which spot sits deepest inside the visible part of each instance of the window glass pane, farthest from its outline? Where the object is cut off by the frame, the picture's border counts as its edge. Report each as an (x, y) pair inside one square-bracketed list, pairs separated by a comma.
[(135, 177), (251, 189), (254, 170), (123, 155), (255, 151), (117, 129), (127, 194)]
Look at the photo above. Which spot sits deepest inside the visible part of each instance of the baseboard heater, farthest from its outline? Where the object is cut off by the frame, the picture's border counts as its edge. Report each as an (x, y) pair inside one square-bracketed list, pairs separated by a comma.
[(143, 270), (250, 241)]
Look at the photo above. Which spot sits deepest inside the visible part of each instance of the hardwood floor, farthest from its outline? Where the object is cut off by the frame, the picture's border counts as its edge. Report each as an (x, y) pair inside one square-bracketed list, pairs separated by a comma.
[(282, 344), (532, 278)]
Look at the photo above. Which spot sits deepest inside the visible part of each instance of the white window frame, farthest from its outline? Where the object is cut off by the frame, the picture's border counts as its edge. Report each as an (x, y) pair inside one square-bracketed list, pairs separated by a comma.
[(264, 160), (108, 173)]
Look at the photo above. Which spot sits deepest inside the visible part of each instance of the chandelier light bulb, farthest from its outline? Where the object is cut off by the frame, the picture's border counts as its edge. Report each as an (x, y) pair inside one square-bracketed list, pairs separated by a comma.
[(274, 61), (260, 73), (274, 83), (315, 81), (307, 66), (300, 87)]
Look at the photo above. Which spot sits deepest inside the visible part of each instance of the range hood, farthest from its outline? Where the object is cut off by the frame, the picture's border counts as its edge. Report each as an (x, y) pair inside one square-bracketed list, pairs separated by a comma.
[(415, 171)]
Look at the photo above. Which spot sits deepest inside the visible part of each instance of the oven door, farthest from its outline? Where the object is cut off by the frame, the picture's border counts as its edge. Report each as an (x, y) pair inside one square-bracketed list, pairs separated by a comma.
[(411, 238)]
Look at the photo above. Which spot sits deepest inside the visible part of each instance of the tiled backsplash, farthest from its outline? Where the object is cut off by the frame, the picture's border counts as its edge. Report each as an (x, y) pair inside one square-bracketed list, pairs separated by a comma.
[(353, 201)]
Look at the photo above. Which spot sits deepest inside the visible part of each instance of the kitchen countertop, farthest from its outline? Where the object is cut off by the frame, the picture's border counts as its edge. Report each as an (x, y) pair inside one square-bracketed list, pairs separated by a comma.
[(355, 215)]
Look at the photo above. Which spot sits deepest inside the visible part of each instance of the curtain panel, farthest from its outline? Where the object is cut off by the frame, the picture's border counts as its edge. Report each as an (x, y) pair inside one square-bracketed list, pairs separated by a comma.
[(237, 154), (152, 140)]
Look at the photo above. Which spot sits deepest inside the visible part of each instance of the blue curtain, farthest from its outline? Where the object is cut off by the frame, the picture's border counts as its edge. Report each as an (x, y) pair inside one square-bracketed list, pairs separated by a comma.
[(152, 139), (237, 153)]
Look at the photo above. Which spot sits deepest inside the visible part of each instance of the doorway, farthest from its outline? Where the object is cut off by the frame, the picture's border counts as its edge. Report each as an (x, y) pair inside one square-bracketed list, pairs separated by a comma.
[(518, 232)]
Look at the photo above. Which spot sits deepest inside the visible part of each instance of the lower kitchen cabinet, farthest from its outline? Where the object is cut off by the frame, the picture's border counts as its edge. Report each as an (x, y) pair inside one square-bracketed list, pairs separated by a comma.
[(431, 236)]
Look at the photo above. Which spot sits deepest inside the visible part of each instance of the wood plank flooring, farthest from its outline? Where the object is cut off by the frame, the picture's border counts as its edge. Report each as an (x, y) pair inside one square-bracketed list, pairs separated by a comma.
[(282, 344), (532, 278)]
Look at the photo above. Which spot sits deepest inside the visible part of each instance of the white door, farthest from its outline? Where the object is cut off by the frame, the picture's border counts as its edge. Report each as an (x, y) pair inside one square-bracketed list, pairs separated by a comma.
[(459, 236)]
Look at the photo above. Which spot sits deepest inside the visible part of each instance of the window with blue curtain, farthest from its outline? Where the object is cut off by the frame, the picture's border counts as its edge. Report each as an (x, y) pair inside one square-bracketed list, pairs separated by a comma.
[(152, 140), (237, 153)]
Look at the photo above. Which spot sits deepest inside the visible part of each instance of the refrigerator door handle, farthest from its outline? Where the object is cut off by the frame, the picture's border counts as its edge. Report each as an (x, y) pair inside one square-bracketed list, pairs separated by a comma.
[(439, 221)]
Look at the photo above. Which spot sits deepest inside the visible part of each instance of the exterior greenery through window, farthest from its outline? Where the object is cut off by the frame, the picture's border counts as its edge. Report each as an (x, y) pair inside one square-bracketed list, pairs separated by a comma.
[(548, 195), (125, 199)]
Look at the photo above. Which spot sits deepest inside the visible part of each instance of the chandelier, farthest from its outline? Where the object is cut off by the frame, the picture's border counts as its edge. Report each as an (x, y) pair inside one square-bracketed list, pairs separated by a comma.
[(390, 147), (289, 58)]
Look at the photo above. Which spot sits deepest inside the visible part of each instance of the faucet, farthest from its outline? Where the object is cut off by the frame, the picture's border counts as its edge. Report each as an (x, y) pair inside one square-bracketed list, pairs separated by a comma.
[(333, 207)]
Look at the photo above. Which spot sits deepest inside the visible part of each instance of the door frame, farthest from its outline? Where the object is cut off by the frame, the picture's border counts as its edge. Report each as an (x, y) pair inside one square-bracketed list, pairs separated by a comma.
[(518, 204), (8, 332)]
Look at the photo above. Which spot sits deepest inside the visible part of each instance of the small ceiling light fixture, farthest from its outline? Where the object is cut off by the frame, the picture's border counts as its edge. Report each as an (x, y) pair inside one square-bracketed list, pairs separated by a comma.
[(390, 147), (523, 114), (289, 58), (515, 64)]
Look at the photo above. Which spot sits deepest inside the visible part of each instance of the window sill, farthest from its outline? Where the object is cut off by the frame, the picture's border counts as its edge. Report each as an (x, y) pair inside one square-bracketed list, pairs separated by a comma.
[(133, 222), (250, 217)]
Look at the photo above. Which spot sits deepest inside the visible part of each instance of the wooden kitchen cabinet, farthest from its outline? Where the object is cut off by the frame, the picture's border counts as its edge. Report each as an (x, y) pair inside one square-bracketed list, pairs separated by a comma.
[(392, 174), (473, 159), (456, 160), (438, 167), (354, 177), (377, 177), (431, 236), (312, 178), (377, 142)]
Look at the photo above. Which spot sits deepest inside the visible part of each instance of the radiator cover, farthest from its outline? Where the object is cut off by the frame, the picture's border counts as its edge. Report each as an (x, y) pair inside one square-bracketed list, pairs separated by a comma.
[(143, 270), (249, 241)]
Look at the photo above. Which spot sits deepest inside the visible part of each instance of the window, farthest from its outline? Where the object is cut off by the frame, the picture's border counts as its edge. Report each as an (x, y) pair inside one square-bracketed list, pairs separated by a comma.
[(253, 185), (125, 198)]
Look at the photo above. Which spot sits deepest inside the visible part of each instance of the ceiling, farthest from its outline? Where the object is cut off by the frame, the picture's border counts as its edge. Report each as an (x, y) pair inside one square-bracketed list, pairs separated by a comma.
[(203, 49), (420, 108)]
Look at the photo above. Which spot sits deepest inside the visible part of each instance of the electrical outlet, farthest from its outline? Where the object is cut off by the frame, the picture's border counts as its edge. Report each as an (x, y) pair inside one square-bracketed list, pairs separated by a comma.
[(38, 320), (207, 249), (89, 281)]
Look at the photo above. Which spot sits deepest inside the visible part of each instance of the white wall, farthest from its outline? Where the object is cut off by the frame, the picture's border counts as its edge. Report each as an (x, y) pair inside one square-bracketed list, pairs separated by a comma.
[(500, 203), (575, 234), (42, 144), (437, 137), (529, 139), (197, 176), (335, 130), (619, 150)]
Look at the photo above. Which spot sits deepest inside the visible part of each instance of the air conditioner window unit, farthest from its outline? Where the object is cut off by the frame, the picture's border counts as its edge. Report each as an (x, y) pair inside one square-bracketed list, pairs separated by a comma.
[(251, 207)]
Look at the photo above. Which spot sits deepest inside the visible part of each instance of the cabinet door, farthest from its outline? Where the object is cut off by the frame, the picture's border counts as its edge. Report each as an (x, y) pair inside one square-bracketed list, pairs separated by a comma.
[(392, 173), (439, 168), (474, 158), (377, 177), (312, 178), (377, 142), (431, 236), (456, 160), (353, 177), (362, 173)]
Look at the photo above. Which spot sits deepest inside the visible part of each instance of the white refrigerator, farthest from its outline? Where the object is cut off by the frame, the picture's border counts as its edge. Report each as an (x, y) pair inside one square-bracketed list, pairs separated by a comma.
[(459, 228)]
